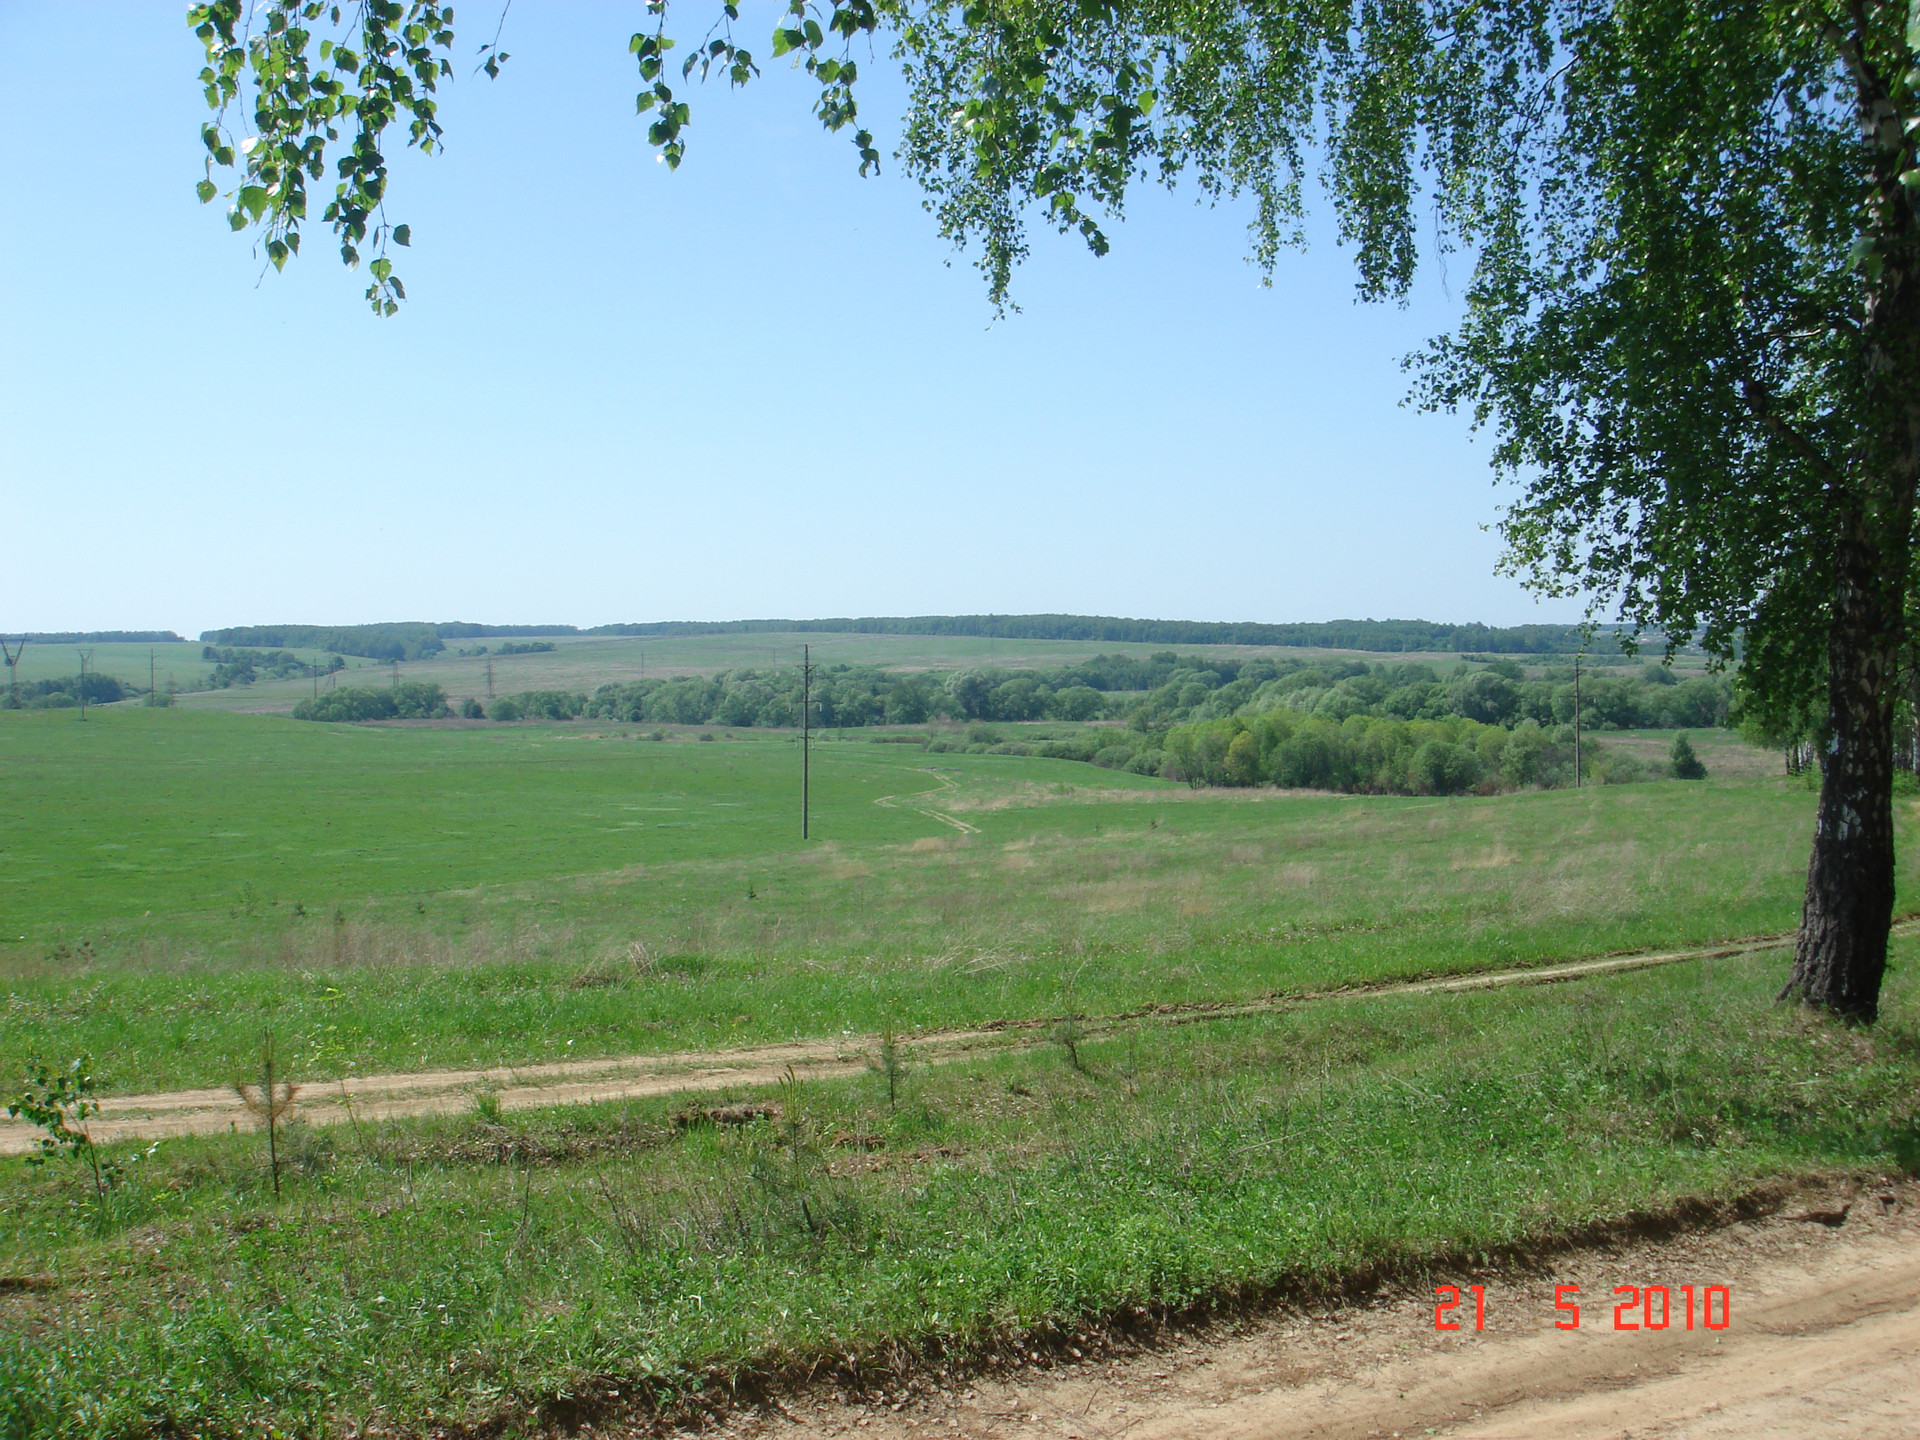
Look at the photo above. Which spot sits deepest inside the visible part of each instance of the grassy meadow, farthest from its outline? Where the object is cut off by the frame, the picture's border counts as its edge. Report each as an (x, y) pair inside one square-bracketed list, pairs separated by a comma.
[(427, 895), (401, 897)]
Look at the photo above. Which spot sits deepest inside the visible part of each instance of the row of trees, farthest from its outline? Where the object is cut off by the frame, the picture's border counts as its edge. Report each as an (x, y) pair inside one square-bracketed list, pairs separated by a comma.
[(1384, 757), (410, 700), (1652, 698), (1361, 754), (1152, 695)]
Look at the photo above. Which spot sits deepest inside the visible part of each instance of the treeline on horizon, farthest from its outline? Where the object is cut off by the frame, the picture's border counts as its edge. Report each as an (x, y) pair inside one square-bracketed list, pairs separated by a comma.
[(100, 637), (415, 640)]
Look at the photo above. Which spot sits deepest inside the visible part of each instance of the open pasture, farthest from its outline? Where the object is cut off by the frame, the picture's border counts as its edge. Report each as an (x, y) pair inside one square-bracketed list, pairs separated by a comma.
[(405, 897)]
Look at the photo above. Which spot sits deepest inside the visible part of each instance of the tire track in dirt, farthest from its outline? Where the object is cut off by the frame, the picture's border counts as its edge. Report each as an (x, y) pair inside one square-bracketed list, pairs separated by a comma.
[(207, 1111)]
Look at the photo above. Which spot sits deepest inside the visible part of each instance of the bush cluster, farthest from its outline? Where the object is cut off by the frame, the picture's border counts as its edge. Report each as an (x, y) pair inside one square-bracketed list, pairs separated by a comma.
[(243, 667), (63, 693), (411, 700), (1356, 755)]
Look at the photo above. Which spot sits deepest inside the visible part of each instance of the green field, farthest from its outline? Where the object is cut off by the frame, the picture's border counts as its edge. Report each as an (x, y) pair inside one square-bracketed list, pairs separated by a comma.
[(394, 897), (179, 663), (403, 896)]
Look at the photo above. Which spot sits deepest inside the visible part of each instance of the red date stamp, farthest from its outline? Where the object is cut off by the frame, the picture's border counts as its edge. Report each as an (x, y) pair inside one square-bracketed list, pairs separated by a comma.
[(1635, 1307)]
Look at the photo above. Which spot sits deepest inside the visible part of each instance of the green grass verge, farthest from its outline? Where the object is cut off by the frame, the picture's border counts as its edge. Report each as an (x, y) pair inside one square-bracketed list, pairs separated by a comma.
[(597, 1263)]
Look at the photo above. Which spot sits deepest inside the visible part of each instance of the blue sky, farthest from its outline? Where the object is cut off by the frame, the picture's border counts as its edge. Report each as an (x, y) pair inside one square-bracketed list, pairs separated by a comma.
[(758, 386)]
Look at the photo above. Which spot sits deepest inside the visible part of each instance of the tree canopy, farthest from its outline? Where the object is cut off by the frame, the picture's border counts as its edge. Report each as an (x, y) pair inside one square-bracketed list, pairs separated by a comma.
[(1693, 320)]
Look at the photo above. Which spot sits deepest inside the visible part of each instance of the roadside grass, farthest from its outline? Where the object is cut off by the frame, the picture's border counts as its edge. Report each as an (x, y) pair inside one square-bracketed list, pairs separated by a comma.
[(603, 1263), (394, 898)]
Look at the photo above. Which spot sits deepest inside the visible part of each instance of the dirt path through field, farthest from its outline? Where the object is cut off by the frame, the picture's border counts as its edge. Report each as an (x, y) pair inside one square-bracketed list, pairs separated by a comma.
[(893, 802), (581, 1082), (1822, 1337)]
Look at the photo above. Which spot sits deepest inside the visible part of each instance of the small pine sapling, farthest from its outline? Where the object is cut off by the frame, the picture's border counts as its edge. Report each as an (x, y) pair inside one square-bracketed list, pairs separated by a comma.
[(270, 1102), (892, 1064)]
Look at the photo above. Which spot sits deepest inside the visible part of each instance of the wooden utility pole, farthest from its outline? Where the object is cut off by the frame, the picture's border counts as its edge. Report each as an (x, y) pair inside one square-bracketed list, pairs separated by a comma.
[(13, 668), (1576, 722), (806, 735)]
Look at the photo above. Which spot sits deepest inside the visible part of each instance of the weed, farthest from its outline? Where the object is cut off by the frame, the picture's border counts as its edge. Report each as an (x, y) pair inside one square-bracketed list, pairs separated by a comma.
[(59, 1102)]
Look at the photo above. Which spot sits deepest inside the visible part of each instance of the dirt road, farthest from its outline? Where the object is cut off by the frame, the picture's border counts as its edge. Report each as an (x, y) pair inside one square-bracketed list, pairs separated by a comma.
[(580, 1082), (1821, 1338)]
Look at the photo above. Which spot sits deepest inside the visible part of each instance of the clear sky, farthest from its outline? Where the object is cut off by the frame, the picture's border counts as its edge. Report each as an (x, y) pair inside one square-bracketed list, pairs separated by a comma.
[(758, 386)]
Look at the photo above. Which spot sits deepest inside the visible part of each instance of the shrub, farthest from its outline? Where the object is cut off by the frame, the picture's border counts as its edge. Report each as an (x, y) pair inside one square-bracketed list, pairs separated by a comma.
[(1535, 756), (472, 709), (418, 700), (1686, 765), (1442, 768), (550, 705), (349, 703), (503, 709)]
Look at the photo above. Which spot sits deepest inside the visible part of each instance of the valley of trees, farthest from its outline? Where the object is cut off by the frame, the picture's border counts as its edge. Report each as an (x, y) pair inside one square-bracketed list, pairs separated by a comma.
[(1403, 728)]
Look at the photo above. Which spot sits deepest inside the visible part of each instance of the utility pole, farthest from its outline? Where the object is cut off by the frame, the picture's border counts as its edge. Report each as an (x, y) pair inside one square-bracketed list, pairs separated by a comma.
[(86, 657), (806, 735), (13, 668), (1576, 722), (490, 677), (396, 675), (152, 666)]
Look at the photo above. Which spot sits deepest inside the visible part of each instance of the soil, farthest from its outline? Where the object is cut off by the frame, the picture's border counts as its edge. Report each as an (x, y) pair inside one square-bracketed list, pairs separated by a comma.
[(583, 1082), (1821, 1337)]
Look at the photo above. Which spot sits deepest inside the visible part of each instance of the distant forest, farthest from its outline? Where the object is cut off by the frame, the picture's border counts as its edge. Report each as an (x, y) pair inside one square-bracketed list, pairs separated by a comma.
[(417, 639), (100, 637)]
